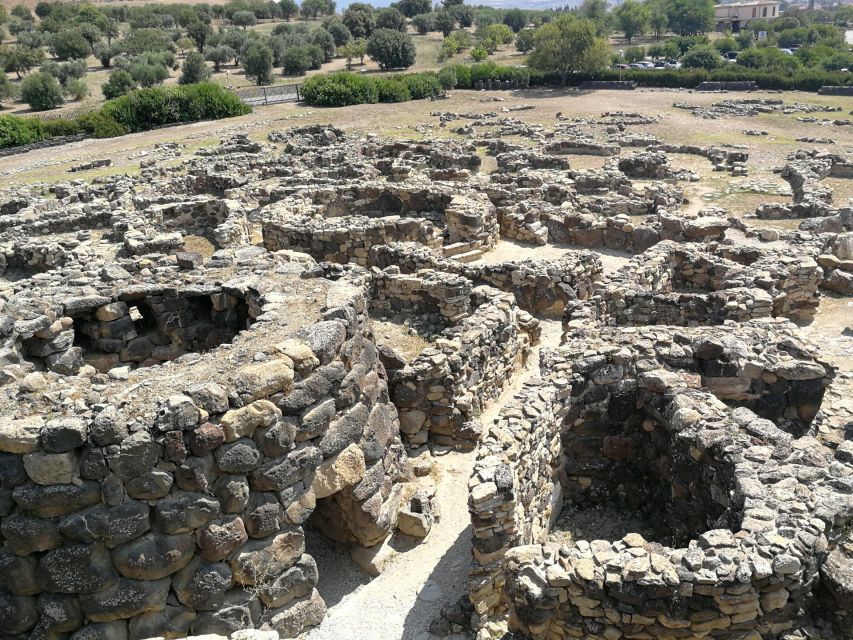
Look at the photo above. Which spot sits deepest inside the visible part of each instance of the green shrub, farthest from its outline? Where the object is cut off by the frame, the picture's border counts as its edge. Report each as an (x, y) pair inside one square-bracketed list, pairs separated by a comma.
[(194, 69), (296, 61), (59, 127), (392, 90), (422, 85), (447, 78), (15, 131), (391, 49), (119, 83), (339, 90), (702, 56), (41, 91), (157, 106), (76, 89), (98, 125)]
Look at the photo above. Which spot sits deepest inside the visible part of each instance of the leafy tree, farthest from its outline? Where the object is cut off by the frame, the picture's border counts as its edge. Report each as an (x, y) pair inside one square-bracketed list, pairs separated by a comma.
[(632, 17), (33, 39), (634, 54), (391, 49), (479, 53), (702, 56), (76, 89), (515, 20), (219, 55), (194, 69), (148, 75), (324, 40), (70, 44), (354, 49), (595, 10), (20, 59), (657, 17), (497, 33), (424, 22), (315, 8), (340, 34), (444, 22), (412, 8), (110, 30), (4, 17), (391, 19), (566, 45), (7, 89), (65, 71), (138, 41), (524, 40), (689, 17), (297, 60), (288, 9), (449, 48), (41, 91), (18, 26), (90, 33), (257, 63), (22, 11), (359, 19), (244, 19), (463, 13), (726, 44), (462, 38), (199, 32), (118, 84)]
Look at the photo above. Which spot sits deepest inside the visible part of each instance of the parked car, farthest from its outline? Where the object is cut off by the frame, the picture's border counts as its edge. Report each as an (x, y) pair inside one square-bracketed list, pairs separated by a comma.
[(786, 51), (731, 56)]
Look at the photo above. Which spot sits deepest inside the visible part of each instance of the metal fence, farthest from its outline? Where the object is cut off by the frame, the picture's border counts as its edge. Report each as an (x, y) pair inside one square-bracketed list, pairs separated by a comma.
[(270, 95)]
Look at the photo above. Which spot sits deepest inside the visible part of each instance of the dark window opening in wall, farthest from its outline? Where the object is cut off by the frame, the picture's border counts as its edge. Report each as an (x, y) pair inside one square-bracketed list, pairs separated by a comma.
[(764, 14), (753, 11), (157, 329)]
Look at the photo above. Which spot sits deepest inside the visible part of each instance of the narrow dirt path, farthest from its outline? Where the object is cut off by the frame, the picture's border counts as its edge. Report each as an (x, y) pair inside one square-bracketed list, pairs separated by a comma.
[(416, 583), (420, 578)]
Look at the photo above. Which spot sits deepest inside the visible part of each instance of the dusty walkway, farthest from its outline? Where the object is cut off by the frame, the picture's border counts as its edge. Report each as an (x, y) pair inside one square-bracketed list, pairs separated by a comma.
[(421, 578)]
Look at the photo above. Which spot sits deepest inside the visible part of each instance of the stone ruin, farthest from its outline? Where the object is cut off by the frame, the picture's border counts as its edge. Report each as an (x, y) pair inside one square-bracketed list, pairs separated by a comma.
[(192, 385)]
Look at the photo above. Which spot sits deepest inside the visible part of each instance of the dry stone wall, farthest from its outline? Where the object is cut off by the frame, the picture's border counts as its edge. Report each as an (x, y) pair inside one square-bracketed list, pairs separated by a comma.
[(175, 500)]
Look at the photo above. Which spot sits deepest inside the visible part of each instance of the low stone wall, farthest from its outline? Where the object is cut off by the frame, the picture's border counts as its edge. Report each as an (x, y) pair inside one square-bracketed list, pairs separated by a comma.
[(425, 292), (609, 85), (443, 390), (514, 492), (348, 238), (829, 90), (734, 85), (685, 456), (682, 285), (539, 286)]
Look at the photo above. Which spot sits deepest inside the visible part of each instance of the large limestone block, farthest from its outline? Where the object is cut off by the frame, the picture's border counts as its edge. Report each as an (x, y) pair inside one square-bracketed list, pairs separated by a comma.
[(344, 470), (241, 422), (20, 436), (256, 381)]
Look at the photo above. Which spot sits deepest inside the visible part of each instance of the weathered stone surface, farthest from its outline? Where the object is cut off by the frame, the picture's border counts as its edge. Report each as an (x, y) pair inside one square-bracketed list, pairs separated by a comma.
[(76, 568), (344, 470), (297, 615), (125, 599), (154, 556), (202, 585)]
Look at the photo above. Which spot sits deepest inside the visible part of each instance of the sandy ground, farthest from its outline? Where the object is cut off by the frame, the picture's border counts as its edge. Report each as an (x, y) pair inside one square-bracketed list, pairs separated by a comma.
[(415, 584)]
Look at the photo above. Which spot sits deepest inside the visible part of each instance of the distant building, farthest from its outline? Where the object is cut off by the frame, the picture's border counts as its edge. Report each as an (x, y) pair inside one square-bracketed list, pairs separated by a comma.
[(737, 15)]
